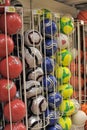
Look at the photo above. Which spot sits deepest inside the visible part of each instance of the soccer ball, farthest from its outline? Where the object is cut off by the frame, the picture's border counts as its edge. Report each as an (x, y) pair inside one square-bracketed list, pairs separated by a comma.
[(49, 83), (65, 122), (63, 41), (49, 47), (62, 74), (48, 65), (66, 90), (66, 24), (32, 38), (67, 107), (64, 57), (33, 57), (48, 28)]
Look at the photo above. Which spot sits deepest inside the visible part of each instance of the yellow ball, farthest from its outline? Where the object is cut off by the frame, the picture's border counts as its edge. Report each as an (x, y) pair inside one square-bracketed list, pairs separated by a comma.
[(64, 57), (65, 122), (66, 90), (67, 107), (62, 74)]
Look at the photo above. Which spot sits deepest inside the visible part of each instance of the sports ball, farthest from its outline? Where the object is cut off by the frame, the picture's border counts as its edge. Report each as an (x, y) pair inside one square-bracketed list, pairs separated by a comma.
[(82, 15), (66, 90), (77, 104), (66, 24), (64, 57), (16, 3), (34, 122), (79, 118), (15, 126), (55, 127), (38, 105), (33, 57), (45, 14), (67, 107), (62, 74), (4, 3), (32, 38), (51, 116), (54, 100), (14, 67), (13, 22), (65, 122), (84, 107), (63, 41), (49, 83), (48, 28), (34, 74), (7, 88), (48, 65), (18, 110), (49, 47), (33, 88), (74, 81), (6, 42)]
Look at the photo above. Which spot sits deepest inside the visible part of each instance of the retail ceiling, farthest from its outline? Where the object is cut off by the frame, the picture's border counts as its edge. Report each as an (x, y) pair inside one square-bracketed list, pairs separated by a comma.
[(79, 4)]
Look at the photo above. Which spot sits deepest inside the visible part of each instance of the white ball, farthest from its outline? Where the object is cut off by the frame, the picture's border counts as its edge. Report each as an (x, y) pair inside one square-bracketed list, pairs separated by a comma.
[(33, 57), (79, 118)]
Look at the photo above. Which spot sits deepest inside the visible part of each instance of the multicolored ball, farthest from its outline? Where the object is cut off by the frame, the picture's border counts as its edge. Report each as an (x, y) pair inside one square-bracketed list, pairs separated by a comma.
[(65, 122), (45, 14), (64, 57), (66, 90), (55, 127), (49, 47), (67, 107), (62, 74), (66, 24)]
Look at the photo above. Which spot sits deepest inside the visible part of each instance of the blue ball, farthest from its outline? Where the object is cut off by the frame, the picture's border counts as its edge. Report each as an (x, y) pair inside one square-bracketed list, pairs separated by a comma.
[(52, 116), (49, 47), (49, 83), (54, 100), (48, 65), (48, 28), (56, 127)]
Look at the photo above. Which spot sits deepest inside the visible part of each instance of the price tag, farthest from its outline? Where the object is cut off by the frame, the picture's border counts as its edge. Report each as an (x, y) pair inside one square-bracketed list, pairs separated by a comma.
[(2, 1), (10, 9)]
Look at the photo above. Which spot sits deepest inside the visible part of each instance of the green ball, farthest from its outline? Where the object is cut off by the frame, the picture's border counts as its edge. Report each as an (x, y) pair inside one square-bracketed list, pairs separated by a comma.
[(66, 90), (66, 24), (67, 107), (64, 57), (46, 14), (62, 74), (65, 122)]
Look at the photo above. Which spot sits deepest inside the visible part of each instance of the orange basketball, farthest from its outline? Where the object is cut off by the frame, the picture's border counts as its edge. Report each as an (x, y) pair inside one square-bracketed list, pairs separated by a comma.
[(74, 81), (84, 107), (82, 15)]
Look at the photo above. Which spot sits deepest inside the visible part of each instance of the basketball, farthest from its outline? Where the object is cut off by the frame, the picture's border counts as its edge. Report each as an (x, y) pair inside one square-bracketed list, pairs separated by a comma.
[(82, 15)]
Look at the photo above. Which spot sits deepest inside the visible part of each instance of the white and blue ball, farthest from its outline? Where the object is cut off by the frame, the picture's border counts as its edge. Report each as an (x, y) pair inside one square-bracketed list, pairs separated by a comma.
[(49, 83), (56, 127), (48, 65), (49, 47), (48, 28), (54, 100)]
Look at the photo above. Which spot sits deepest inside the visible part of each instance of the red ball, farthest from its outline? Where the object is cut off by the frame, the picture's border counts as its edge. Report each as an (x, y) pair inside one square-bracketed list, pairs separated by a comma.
[(7, 87), (3, 41), (82, 15), (3, 4), (13, 22), (16, 126), (18, 110), (14, 67)]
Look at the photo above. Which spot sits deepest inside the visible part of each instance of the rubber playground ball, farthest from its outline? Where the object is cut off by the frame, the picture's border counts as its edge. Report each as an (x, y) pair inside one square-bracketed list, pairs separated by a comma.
[(15, 126)]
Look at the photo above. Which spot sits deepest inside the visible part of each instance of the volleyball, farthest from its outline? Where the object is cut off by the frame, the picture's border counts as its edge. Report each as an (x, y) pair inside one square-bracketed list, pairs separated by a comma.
[(49, 47), (49, 83), (62, 74), (64, 57), (66, 24), (66, 90), (19, 126), (63, 41), (48, 28), (32, 38), (67, 107), (65, 122)]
